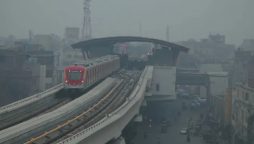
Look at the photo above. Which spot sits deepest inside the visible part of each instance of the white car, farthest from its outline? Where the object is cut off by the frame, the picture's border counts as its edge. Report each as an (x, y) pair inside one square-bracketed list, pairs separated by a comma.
[(202, 100), (183, 131)]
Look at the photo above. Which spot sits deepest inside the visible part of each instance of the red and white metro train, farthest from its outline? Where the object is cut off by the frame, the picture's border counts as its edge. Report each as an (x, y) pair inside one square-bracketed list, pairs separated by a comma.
[(84, 74)]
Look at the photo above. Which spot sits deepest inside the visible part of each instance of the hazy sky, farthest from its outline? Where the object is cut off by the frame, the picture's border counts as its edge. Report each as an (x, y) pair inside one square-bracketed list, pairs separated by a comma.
[(186, 18)]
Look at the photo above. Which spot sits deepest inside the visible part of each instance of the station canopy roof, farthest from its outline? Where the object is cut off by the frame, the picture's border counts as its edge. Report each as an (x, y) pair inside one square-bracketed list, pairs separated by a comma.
[(108, 41)]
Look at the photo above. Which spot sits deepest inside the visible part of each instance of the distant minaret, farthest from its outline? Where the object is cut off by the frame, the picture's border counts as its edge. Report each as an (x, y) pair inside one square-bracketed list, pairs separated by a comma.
[(140, 29), (87, 26), (167, 34), (30, 35)]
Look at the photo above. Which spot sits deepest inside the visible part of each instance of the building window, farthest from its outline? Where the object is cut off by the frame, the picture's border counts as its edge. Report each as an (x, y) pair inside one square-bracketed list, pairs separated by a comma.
[(246, 96), (2, 59), (157, 87), (49, 73)]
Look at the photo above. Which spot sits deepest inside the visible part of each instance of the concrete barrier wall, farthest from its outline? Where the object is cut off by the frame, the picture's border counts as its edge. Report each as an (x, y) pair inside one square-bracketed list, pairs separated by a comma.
[(17, 111), (23, 131)]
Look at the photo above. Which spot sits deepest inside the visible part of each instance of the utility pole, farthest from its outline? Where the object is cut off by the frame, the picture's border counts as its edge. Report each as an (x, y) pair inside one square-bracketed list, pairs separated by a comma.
[(87, 26)]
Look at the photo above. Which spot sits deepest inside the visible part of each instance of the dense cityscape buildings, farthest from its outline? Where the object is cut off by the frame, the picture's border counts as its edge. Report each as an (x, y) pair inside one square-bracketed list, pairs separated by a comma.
[(231, 77), (40, 60), (242, 93), (32, 65), (127, 72), (213, 49)]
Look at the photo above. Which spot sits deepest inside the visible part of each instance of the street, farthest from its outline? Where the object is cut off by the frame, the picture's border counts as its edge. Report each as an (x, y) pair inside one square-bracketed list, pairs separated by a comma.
[(150, 131)]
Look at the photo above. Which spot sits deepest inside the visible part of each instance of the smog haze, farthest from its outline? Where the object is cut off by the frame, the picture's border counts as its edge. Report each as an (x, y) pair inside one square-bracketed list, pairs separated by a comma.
[(186, 19)]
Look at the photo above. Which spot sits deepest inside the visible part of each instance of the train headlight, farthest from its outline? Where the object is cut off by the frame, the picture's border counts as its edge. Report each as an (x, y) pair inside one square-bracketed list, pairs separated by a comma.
[(66, 81), (82, 81)]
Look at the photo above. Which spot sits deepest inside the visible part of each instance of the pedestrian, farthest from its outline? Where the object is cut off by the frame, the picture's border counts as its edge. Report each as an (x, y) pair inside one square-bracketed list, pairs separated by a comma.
[(188, 137), (145, 135)]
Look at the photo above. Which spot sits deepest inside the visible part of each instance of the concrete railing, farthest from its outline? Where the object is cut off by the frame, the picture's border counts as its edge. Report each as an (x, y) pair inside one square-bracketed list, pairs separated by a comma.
[(25, 108), (25, 130), (30, 99)]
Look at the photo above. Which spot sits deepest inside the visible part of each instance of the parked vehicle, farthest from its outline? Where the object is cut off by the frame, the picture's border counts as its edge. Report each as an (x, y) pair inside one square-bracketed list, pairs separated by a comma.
[(183, 131), (202, 100)]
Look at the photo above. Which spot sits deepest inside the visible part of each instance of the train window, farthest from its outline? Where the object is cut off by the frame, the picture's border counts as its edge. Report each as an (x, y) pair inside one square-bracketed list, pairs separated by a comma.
[(88, 76), (94, 72), (99, 71), (74, 75)]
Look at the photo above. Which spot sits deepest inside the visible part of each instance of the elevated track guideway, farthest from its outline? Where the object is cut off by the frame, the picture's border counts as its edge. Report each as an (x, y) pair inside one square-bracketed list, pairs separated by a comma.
[(26, 108), (81, 111), (115, 97), (111, 125), (59, 95)]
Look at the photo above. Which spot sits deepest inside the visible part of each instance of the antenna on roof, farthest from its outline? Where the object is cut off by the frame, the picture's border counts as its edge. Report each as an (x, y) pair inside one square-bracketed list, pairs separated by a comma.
[(87, 26)]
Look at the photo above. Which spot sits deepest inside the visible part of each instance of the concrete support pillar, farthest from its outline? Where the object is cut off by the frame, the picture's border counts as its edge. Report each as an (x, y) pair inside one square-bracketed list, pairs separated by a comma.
[(175, 54), (85, 54), (203, 92), (42, 78)]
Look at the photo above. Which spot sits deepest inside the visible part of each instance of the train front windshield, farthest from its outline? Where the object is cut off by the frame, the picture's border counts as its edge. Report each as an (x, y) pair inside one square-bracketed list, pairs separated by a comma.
[(74, 75)]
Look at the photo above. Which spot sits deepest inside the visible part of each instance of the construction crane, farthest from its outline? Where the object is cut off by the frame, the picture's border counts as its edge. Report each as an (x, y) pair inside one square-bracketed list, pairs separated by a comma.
[(87, 26)]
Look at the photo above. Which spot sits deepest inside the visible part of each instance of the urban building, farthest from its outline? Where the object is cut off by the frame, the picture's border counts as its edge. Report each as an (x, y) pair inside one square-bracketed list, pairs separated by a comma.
[(250, 79), (243, 94), (247, 45), (71, 56), (48, 41), (242, 113), (218, 90), (242, 72), (71, 35), (162, 84), (24, 71), (210, 50)]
